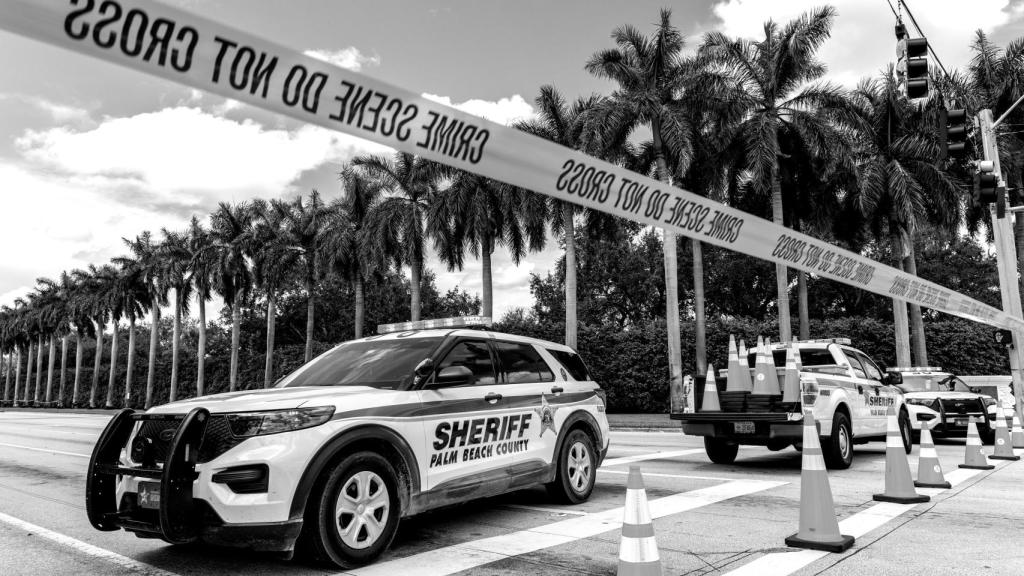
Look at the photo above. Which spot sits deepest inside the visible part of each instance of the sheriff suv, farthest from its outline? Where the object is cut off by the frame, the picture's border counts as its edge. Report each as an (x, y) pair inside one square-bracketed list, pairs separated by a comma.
[(853, 397), (425, 415), (946, 403)]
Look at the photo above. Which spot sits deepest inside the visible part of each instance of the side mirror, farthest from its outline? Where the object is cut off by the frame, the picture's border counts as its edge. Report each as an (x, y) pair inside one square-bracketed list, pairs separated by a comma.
[(893, 378), (423, 370), (453, 376)]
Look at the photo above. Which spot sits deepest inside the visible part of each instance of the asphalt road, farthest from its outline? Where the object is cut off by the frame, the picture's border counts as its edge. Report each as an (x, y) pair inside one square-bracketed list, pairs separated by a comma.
[(709, 519)]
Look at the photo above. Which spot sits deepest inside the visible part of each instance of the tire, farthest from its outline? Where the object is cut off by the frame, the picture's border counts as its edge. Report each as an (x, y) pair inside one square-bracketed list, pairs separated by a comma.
[(906, 431), (576, 469), (349, 527), (837, 448), (720, 451)]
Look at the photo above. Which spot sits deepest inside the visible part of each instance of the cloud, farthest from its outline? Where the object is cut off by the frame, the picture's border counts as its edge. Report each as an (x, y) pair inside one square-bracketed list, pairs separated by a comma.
[(504, 111), (350, 58), (60, 113), (863, 41)]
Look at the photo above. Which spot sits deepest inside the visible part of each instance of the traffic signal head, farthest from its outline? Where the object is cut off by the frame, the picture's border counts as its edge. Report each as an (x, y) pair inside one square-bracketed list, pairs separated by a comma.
[(985, 183), (1003, 337), (912, 54), (953, 133)]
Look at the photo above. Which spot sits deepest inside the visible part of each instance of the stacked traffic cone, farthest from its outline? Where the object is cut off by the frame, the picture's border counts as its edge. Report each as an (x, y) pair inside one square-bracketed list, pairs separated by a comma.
[(738, 378), (1004, 444), (929, 470), (974, 458), (819, 528), (1017, 436), (710, 401), (766, 381), (791, 389), (899, 487), (638, 551)]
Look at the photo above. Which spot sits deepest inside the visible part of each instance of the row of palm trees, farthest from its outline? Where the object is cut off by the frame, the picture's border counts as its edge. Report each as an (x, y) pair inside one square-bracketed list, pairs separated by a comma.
[(751, 123)]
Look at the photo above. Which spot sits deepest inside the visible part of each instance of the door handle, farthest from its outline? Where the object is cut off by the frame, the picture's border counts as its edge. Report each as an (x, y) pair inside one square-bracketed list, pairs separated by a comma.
[(492, 397), (860, 389), (557, 389)]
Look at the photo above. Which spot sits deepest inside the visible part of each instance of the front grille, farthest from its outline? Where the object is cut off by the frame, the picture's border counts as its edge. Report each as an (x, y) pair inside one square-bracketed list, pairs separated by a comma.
[(965, 407), (216, 441)]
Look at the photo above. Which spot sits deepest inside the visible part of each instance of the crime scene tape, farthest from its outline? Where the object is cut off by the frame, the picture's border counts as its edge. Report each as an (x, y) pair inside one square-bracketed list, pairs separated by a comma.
[(179, 46)]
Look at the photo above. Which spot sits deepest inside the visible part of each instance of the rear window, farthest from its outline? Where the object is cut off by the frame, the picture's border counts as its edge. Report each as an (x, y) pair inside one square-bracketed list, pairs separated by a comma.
[(572, 362), (522, 364), (807, 358)]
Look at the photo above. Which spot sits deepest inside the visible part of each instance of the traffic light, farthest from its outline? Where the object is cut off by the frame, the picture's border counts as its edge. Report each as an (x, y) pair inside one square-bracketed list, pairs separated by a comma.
[(985, 183), (953, 126), (1003, 337), (912, 66)]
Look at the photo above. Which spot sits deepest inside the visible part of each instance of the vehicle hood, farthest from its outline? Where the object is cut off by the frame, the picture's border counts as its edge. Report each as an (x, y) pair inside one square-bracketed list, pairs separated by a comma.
[(931, 395), (269, 399)]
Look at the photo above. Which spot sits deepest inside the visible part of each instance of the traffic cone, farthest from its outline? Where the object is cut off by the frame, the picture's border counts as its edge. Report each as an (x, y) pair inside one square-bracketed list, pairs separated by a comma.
[(974, 458), (760, 343), (1018, 433), (738, 378), (638, 550), (766, 381), (791, 389), (899, 487), (929, 470), (1004, 444), (819, 528), (710, 401), (745, 363)]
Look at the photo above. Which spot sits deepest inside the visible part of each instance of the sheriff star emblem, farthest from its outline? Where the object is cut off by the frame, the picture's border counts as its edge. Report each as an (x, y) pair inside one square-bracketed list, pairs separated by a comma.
[(547, 415)]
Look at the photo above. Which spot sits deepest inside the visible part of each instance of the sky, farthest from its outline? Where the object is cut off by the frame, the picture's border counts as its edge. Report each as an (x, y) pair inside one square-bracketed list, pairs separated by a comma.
[(91, 153)]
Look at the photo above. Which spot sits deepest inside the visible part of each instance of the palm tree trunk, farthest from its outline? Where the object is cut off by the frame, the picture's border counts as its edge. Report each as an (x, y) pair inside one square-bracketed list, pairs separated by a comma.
[(801, 291), (569, 227), (916, 320), (96, 365), (310, 309), (7, 378), (487, 306), (49, 367), (781, 271), (63, 369), (130, 373), (28, 374), (675, 356), (17, 375), (201, 353), (268, 370), (39, 370), (700, 324), (415, 269), (360, 305), (79, 349), (175, 345), (112, 380), (154, 335), (899, 308), (236, 319)]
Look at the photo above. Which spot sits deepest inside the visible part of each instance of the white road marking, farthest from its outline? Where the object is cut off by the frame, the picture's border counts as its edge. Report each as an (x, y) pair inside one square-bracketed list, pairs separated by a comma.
[(651, 456), (785, 563), (458, 557), (47, 450), (540, 509), (680, 476), (86, 548)]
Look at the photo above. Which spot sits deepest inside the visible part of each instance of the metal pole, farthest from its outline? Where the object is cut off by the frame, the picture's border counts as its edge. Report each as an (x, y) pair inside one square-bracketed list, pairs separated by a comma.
[(1006, 259)]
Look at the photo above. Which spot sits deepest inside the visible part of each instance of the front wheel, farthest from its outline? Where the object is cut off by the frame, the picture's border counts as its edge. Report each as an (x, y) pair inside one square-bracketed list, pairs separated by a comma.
[(357, 512), (576, 469), (720, 451), (838, 447)]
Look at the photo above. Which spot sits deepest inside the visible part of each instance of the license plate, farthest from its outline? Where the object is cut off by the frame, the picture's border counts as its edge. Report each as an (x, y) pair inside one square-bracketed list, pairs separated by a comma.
[(743, 427), (149, 495), (960, 421)]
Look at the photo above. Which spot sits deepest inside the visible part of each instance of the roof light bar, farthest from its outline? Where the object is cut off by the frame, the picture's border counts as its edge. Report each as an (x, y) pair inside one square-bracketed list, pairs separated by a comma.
[(456, 322), (842, 341), (915, 369)]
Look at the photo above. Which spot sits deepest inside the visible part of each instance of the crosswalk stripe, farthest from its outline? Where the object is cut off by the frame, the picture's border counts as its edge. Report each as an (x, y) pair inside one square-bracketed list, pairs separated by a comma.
[(651, 456), (458, 557)]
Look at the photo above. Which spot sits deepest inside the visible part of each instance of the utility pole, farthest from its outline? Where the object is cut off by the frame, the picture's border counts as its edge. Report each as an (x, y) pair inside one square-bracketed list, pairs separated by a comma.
[(1006, 254)]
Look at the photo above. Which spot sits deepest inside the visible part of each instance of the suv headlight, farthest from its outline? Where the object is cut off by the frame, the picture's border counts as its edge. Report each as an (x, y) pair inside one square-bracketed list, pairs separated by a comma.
[(926, 402), (248, 424)]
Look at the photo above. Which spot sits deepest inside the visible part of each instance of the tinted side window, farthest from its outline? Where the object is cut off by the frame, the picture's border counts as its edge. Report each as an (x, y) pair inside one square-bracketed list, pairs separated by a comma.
[(869, 367), (475, 355), (858, 369), (521, 363), (573, 363)]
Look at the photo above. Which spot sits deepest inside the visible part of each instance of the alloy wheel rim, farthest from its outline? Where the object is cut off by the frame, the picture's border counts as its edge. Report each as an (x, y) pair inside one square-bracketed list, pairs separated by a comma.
[(361, 510), (844, 443), (579, 467)]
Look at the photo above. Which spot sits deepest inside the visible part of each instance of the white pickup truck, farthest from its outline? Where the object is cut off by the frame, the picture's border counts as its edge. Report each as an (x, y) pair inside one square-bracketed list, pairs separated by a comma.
[(854, 396)]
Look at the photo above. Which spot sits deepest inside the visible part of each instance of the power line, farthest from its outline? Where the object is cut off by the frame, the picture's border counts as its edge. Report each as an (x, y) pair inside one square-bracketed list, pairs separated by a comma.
[(921, 32), (889, 2)]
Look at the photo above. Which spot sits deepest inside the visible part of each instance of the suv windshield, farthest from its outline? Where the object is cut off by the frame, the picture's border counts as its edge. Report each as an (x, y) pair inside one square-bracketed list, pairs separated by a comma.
[(375, 363), (929, 383)]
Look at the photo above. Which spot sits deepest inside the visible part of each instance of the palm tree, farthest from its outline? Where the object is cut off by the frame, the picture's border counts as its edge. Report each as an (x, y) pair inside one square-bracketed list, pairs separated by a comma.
[(901, 184), (773, 76), (96, 285), (202, 254), (176, 273), (230, 234), (146, 263), (273, 263), (563, 124), (649, 73), (396, 227), (133, 296)]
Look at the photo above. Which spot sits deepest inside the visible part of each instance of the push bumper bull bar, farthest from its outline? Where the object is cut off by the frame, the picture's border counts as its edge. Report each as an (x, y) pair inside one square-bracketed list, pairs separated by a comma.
[(179, 519)]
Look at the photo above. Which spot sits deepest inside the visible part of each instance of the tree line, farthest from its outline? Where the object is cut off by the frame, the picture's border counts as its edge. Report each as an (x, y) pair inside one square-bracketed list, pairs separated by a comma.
[(753, 123)]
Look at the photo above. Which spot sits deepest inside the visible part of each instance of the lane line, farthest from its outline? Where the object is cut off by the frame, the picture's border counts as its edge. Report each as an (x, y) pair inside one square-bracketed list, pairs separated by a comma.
[(680, 476), (785, 563), (540, 509), (86, 548), (47, 450), (651, 456), (459, 557)]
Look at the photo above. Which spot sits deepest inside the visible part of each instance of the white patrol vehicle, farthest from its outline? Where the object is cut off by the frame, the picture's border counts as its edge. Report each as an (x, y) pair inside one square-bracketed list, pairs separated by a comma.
[(850, 408), (945, 402), (428, 414)]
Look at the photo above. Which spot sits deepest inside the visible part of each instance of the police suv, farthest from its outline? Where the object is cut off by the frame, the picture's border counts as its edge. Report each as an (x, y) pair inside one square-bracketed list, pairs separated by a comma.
[(946, 403), (425, 415)]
